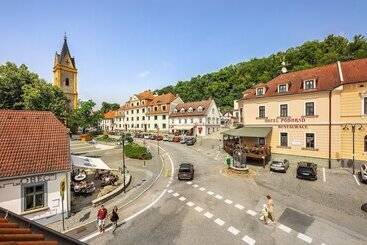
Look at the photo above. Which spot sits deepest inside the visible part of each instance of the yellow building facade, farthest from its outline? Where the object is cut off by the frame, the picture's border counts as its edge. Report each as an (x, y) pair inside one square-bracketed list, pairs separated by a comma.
[(311, 114), (66, 74)]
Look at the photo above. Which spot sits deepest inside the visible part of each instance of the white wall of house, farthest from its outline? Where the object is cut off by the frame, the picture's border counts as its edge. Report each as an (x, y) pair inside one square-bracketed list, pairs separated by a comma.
[(12, 196)]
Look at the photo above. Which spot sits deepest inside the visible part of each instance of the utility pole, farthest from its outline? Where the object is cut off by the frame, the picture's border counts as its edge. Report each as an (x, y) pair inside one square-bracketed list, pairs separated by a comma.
[(353, 127), (122, 140)]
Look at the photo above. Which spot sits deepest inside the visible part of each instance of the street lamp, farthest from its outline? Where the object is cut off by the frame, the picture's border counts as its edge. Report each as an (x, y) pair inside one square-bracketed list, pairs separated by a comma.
[(123, 137), (156, 126), (353, 126)]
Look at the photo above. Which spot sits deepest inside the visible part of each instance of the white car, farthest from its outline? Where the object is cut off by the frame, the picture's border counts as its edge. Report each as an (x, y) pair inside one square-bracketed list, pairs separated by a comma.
[(364, 172)]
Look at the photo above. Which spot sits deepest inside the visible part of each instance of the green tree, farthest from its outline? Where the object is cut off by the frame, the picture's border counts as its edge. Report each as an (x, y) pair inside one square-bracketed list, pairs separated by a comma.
[(84, 117), (43, 96), (106, 107), (12, 80)]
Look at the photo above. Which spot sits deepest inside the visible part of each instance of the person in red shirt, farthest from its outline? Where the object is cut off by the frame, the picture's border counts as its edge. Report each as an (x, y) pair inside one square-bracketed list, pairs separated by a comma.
[(101, 218)]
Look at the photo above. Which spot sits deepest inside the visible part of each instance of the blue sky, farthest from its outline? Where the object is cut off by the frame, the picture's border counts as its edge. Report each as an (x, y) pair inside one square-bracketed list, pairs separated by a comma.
[(123, 47)]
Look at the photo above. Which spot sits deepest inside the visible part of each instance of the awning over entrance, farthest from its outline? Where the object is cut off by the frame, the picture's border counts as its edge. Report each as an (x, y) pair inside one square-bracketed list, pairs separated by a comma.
[(182, 127), (89, 162), (260, 132)]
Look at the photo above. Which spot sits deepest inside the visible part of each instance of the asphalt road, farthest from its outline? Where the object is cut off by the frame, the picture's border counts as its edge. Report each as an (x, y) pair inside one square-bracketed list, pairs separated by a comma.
[(216, 208)]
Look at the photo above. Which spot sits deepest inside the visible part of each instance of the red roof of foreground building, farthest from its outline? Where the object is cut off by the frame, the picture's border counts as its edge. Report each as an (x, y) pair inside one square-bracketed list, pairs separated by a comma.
[(111, 114), (32, 142), (327, 77)]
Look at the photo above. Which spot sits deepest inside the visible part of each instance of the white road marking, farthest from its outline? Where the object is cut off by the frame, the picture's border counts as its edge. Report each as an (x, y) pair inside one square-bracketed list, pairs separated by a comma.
[(304, 237), (208, 215), (190, 204), (182, 198), (251, 212), (202, 189), (233, 230), (199, 209), (176, 194), (189, 182), (219, 197), (228, 201), (323, 174), (195, 186), (248, 240), (239, 206), (285, 228), (210, 192), (355, 177), (168, 185), (170, 191), (219, 222)]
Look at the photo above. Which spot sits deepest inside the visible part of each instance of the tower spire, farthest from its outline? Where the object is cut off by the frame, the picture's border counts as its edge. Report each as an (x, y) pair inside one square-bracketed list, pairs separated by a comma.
[(65, 37)]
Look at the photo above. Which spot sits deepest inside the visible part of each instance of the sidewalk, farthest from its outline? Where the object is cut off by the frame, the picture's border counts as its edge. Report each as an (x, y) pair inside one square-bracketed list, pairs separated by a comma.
[(141, 177)]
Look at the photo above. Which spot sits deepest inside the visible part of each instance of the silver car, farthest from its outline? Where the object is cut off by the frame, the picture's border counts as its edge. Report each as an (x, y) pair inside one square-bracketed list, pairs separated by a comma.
[(279, 165), (364, 172)]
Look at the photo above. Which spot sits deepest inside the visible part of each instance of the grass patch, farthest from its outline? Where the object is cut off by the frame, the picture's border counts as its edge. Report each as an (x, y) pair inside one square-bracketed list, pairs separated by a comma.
[(135, 151), (105, 138)]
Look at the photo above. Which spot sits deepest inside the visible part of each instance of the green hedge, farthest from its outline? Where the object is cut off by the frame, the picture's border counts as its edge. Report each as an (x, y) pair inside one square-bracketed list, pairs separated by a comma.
[(105, 138), (135, 151)]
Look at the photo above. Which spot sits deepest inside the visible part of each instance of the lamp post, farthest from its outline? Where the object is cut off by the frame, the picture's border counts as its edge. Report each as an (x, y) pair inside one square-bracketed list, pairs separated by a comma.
[(157, 138), (353, 127), (122, 141)]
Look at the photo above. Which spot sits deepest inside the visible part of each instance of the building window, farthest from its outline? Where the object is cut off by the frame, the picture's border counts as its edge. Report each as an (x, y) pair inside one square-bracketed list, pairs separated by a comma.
[(163, 125), (148, 117), (284, 139), (310, 140), (200, 109), (137, 103), (67, 82), (182, 110), (143, 118), (365, 143), (185, 120), (127, 119), (284, 110), (309, 84), (365, 105), (34, 197), (137, 118), (127, 112), (155, 117), (261, 111), (155, 108), (282, 88), (260, 91), (192, 120), (164, 117), (164, 107), (156, 126), (179, 121), (132, 111), (261, 141), (190, 109), (143, 110), (137, 125), (137, 110), (310, 108), (132, 119), (200, 120)]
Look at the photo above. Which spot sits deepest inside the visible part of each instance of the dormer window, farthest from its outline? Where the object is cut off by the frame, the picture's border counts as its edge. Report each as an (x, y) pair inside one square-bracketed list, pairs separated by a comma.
[(260, 91), (282, 88), (190, 109), (182, 110), (200, 109), (175, 110), (309, 84), (67, 82), (163, 107)]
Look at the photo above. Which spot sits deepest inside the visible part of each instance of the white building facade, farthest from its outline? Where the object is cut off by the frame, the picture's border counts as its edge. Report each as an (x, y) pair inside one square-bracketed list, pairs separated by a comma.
[(198, 118)]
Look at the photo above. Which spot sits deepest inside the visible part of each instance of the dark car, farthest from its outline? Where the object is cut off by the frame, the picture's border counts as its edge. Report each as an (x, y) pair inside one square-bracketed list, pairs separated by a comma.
[(307, 170), (159, 137), (279, 165), (190, 141), (186, 171)]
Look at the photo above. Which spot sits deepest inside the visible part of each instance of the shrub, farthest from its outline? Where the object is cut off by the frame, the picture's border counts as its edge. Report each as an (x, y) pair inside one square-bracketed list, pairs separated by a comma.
[(135, 151), (105, 138)]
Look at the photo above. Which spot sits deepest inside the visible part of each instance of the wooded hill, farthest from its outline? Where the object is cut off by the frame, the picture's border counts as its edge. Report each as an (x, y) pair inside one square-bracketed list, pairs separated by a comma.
[(228, 83)]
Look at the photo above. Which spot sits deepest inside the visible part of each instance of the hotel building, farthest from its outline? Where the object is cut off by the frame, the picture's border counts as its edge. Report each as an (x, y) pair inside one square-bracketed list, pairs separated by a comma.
[(308, 114)]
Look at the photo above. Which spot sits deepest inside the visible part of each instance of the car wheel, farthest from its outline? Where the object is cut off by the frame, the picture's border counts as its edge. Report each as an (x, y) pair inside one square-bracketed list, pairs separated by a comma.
[(364, 207)]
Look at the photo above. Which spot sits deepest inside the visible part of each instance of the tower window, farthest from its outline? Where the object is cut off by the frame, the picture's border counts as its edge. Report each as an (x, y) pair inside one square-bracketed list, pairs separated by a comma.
[(66, 81)]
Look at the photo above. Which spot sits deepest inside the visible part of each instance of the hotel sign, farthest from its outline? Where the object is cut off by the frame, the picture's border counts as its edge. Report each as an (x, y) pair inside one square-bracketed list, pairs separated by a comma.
[(288, 122)]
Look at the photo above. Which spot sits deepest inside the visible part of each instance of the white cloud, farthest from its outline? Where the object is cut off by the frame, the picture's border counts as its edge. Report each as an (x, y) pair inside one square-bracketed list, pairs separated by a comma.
[(144, 74)]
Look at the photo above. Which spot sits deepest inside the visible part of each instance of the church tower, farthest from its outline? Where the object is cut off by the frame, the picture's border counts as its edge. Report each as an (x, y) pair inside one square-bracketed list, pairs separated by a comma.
[(65, 74)]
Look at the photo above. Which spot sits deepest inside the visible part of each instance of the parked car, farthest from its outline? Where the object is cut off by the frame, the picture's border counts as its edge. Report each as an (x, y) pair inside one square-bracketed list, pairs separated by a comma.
[(159, 137), (307, 170), (165, 138), (186, 171), (176, 139), (170, 138), (364, 173), (152, 137), (191, 141), (146, 136), (279, 165), (183, 140)]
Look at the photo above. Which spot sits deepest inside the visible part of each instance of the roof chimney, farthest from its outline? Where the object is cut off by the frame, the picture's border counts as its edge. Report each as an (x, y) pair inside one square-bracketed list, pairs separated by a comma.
[(340, 71)]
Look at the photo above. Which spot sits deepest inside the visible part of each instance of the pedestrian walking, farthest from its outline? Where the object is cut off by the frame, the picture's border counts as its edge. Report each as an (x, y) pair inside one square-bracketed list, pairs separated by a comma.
[(101, 218), (114, 218), (270, 208), (264, 214)]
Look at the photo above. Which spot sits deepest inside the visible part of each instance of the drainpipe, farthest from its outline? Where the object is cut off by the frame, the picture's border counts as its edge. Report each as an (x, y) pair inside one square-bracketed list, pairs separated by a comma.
[(330, 93)]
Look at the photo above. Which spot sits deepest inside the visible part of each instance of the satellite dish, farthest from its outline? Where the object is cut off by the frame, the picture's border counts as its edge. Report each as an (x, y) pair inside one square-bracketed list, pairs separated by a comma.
[(284, 70)]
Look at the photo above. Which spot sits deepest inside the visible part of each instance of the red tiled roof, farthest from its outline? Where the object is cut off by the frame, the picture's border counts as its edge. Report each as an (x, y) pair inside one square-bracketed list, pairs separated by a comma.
[(111, 114), (327, 77), (162, 99), (354, 70), (146, 95), (32, 142), (194, 105)]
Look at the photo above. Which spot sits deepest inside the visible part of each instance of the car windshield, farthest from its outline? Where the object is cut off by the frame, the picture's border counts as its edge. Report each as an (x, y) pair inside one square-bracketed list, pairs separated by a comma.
[(184, 170), (277, 162)]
